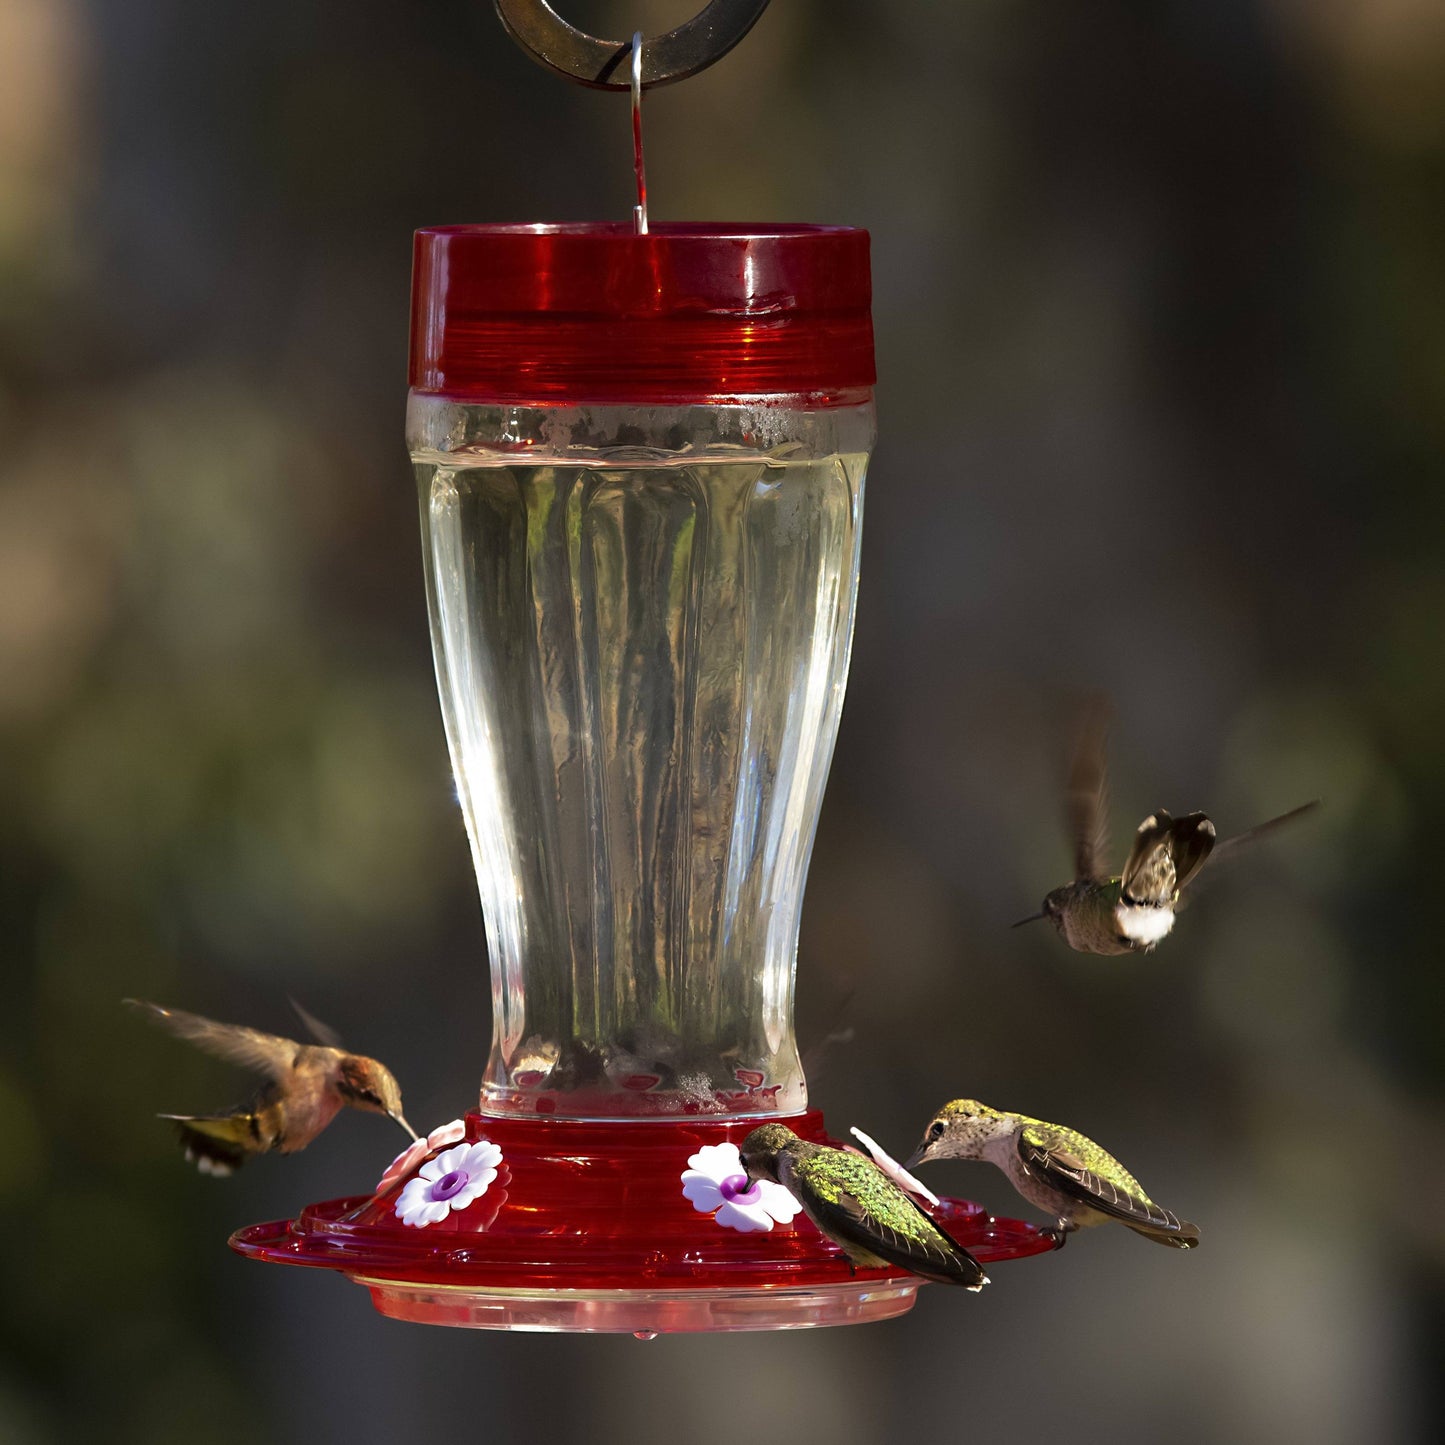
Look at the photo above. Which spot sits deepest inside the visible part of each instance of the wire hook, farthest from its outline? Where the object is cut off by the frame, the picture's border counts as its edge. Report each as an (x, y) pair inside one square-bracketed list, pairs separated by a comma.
[(574, 54), (639, 211)]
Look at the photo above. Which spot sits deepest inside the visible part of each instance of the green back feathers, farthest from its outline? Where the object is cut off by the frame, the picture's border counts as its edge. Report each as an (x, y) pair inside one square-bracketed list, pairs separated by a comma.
[(1055, 1138), (856, 1205), (1058, 1140), (832, 1173)]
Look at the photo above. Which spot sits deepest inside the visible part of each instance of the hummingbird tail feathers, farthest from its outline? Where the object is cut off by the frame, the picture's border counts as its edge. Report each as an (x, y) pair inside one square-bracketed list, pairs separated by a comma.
[(1185, 1237), (936, 1256), (217, 1144)]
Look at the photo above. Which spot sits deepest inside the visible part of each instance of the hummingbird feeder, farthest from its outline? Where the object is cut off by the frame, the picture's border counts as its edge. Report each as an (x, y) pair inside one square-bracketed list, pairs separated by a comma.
[(640, 454)]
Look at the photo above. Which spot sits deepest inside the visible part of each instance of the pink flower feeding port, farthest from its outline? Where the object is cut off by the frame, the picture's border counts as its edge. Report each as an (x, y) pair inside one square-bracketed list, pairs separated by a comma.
[(640, 464)]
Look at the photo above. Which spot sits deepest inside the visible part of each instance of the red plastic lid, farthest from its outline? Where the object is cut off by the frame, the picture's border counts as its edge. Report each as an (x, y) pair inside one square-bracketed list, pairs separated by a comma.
[(595, 313)]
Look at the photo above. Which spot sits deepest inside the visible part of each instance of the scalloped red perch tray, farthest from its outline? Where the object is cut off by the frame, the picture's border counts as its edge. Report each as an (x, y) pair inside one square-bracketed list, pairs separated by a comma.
[(586, 1228)]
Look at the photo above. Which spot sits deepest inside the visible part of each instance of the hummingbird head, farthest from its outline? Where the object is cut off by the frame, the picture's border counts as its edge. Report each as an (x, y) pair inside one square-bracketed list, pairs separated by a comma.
[(761, 1148), (959, 1130), (1055, 905), (366, 1084)]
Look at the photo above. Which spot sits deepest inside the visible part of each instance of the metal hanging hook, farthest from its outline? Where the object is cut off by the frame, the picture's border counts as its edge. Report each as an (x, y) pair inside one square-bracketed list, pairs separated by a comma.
[(639, 211), (572, 53)]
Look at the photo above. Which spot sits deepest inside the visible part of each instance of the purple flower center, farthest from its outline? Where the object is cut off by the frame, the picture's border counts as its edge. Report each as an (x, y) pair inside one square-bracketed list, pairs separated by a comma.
[(450, 1184), (739, 1189)]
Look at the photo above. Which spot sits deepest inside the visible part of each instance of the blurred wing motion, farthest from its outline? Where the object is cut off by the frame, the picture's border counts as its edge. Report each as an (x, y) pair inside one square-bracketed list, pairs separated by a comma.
[(1226, 850), (265, 1053), (324, 1034), (816, 1054), (1231, 850), (1086, 800), (1167, 853), (1049, 1156)]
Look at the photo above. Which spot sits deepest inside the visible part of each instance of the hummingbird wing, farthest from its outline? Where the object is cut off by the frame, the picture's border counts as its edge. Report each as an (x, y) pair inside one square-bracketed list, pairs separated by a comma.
[(251, 1049), (838, 1033), (855, 1204), (1223, 851), (324, 1034), (1086, 801), (1231, 849), (816, 1054), (1191, 840), (1148, 875), (1167, 853), (1078, 1168)]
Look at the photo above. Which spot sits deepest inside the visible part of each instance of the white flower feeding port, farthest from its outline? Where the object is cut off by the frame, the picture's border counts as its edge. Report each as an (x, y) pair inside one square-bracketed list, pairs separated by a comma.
[(450, 1181), (716, 1183)]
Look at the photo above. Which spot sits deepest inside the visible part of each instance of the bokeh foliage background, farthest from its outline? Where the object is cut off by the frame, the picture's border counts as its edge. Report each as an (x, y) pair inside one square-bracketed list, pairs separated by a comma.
[(1160, 301)]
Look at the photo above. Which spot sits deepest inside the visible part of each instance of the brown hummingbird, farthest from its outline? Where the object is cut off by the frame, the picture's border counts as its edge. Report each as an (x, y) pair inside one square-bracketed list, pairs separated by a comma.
[(309, 1085), (1132, 911)]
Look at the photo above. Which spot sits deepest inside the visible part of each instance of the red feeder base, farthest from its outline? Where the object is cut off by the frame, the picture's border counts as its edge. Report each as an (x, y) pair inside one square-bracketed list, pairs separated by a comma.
[(586, 1228)]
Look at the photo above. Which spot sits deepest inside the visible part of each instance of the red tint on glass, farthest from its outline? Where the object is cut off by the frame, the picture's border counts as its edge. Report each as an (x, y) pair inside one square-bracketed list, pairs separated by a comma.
[(598, 314)]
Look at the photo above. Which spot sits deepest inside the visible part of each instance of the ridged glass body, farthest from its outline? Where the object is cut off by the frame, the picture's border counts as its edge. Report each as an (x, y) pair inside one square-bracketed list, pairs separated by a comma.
[(641, 619)]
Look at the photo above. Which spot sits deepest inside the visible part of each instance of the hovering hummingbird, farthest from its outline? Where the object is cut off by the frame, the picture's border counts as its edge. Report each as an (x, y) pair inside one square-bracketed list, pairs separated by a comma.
[(1133, 911), (858, 1207), (310, 1084), (1057, 1169)]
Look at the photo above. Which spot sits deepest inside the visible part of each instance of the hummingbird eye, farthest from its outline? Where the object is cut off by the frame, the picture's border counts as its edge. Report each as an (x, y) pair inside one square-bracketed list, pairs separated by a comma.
[(935, 1129)]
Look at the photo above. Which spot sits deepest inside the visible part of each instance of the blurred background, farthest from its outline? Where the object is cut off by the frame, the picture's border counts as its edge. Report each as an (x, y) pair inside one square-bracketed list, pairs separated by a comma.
[(1160, 308)]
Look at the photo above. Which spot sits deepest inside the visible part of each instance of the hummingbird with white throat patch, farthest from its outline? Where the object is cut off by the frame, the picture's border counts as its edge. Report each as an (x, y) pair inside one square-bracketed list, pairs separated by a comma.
[(858, 1207), (309, 1085), (1057, 1169), (1130, 912)]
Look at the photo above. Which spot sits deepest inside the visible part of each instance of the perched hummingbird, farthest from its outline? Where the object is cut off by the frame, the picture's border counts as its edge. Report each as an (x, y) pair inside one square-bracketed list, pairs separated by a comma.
[(310, 1084), (1130, 913), (1057, 1169), (858, 1207)]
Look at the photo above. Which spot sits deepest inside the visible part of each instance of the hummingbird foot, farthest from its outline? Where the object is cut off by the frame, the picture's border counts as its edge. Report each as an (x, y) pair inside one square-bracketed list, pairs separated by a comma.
[(1060, 1233)]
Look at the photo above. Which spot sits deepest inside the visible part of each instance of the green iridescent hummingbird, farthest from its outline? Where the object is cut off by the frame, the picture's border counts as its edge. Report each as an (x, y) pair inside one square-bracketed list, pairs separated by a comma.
[(1058, 1169), (1132, 911), (858, 1207)]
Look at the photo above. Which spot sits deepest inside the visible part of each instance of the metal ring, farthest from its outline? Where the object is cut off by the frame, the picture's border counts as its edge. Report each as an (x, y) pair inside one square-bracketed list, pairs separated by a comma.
[(603, 64)]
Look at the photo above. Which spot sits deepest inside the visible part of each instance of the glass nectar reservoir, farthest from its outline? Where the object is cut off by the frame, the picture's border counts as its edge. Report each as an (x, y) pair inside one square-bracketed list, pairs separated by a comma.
[(640, 462)]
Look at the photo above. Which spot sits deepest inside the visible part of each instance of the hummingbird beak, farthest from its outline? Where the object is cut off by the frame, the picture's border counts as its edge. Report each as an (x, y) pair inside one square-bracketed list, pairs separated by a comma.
[(403, 1124), (1032, 918), (919, 1156)]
